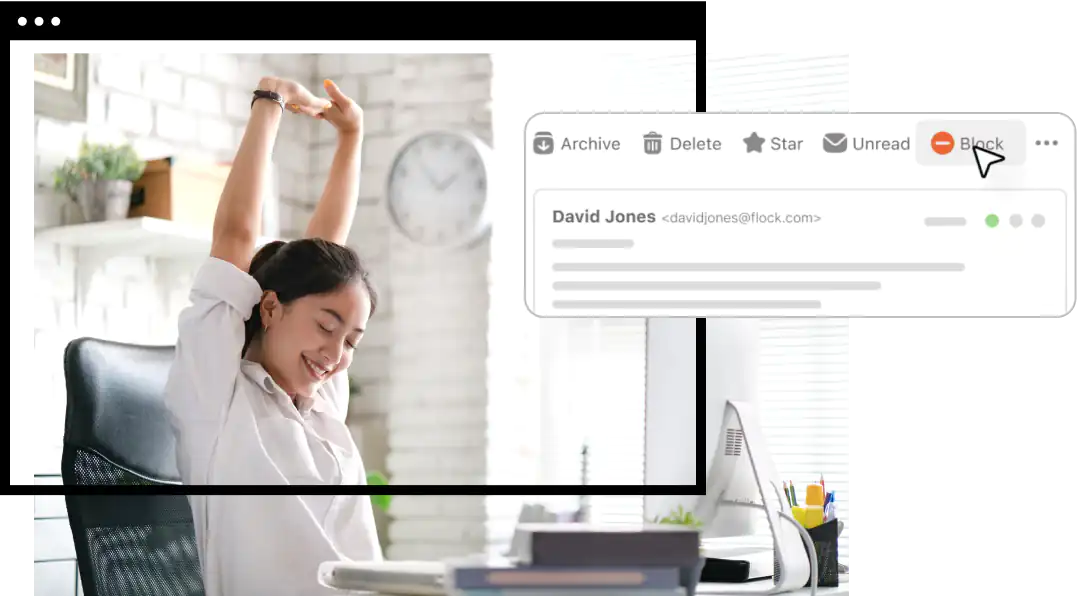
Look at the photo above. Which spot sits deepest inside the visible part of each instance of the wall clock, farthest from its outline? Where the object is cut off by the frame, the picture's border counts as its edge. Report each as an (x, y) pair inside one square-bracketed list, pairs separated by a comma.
[(437, 192)]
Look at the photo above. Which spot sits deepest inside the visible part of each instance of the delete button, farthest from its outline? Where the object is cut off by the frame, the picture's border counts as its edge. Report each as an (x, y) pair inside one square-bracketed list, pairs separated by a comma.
[(950, 142)]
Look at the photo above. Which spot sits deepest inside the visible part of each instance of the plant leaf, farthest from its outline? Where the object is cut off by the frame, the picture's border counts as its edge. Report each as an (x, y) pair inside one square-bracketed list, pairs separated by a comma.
[(376, 478), (381, 501), (99, 162)]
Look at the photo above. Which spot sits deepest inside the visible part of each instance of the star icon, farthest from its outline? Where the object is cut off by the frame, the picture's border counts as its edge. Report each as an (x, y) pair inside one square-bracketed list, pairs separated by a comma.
[(754, 143)]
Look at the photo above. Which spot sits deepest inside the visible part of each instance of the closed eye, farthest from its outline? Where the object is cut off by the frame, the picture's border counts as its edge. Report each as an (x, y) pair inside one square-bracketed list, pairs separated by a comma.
[(354, 344), (328, 331)]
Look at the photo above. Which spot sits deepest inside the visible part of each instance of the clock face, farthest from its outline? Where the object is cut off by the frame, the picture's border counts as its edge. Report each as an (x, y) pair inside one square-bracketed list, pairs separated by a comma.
[(437, 190)]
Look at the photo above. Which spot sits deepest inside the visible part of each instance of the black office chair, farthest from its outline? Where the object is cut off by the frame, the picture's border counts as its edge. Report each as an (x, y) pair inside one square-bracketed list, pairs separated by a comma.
[(117, 433)]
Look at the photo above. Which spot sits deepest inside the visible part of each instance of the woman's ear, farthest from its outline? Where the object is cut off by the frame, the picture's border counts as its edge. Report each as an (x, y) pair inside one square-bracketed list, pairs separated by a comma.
[(270, 308)]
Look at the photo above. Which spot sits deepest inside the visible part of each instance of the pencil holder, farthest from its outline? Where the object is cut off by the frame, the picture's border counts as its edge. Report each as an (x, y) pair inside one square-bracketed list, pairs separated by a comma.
[(825, 540)]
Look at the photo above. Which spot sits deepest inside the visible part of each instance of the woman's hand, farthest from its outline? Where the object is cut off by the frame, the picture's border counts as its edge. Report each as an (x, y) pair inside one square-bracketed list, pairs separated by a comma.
[(343, 113), (297, 99)]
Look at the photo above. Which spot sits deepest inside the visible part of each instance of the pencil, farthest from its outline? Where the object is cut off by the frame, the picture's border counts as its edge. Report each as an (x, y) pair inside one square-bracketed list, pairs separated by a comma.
[(786, 488), (793, 492)]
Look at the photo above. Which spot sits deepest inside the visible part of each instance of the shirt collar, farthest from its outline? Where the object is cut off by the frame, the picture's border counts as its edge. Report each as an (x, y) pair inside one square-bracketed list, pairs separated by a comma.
[(257, 373)]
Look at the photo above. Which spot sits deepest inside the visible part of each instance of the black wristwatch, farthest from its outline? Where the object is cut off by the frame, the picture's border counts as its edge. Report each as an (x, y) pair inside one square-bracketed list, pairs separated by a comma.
[(270, 95)]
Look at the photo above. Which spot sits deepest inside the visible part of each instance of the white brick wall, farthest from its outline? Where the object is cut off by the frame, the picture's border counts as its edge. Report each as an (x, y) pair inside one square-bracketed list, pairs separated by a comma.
[(173, 101), (425, 368)]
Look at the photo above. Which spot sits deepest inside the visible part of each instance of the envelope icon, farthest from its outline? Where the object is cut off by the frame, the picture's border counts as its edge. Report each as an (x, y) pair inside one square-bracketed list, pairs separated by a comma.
[(835, 142)]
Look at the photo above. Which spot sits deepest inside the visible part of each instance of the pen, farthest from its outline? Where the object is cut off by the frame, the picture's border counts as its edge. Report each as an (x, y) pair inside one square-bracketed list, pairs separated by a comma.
[(793, 492), (822, 484), (785, 486)]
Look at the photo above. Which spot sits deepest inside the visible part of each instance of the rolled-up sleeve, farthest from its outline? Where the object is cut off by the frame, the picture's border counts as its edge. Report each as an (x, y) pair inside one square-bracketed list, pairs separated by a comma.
[(207, 361)]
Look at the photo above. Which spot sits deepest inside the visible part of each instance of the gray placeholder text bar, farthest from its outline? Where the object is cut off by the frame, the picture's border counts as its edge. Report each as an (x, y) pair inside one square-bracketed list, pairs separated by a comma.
[(944, 221), (593, 243), (828, 267), (686, 304), (703, 286)]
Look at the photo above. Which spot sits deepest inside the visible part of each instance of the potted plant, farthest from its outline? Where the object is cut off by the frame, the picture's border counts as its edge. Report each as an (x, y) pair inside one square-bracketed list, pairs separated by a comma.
[(689, 575), (100, 180)]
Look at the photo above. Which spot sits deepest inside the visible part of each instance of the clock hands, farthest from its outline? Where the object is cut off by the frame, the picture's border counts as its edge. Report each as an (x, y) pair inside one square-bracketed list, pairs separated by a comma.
[(442, 185), (447, 183), (429, 177)]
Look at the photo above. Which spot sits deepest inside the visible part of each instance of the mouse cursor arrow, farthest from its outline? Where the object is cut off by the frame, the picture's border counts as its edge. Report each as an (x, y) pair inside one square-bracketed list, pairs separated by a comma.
[(985, 159)]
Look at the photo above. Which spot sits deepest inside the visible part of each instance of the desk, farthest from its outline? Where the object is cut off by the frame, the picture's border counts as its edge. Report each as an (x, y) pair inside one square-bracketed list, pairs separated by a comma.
[(707, 589), (702, 589)]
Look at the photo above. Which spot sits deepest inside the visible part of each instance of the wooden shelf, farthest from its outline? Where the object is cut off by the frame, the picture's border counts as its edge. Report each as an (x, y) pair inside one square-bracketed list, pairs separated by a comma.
[(139, 236)]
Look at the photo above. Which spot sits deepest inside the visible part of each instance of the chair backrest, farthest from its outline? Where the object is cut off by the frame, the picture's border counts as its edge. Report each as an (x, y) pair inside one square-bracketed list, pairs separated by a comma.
[(117, 433)]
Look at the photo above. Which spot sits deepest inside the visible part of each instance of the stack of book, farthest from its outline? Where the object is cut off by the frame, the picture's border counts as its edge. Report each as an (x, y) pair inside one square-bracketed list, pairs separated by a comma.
[(573, 559)]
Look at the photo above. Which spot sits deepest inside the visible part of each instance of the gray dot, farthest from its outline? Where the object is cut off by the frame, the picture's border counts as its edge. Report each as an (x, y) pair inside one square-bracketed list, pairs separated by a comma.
[(22, 21), (1015, 220), (1038, 220), (1037, 143), (1055, 143)]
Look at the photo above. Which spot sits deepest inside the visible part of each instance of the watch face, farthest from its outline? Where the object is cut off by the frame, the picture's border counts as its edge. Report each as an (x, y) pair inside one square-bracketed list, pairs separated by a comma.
[(437, 190)]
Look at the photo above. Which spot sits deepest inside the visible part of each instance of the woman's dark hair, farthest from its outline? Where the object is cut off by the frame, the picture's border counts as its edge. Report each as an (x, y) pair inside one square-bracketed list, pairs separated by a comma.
[(301, 268)]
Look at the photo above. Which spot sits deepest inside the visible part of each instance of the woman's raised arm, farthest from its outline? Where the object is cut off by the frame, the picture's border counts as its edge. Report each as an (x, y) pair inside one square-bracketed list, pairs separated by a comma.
[(332, 218), (237, 223)]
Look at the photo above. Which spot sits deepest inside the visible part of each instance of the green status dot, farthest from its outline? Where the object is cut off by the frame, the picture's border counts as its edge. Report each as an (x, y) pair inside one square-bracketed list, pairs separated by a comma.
[(992, 220)]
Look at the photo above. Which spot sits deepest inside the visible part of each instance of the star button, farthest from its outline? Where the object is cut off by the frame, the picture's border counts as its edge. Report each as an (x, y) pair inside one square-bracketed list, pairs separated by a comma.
[(754, 143)]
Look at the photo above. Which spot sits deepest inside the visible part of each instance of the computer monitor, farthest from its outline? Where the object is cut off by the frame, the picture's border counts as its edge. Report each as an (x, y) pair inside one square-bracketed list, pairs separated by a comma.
[(732, 347)]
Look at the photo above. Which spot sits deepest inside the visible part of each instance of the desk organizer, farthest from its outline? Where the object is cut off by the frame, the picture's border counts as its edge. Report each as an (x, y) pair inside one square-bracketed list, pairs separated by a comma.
[(825, 539)]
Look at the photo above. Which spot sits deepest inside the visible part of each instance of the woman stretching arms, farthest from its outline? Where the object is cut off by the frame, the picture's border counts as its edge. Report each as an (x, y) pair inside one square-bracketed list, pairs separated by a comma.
[(258, 391)]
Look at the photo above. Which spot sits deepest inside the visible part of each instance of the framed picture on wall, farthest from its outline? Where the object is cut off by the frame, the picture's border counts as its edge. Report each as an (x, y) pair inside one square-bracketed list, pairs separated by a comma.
[(60, 84)]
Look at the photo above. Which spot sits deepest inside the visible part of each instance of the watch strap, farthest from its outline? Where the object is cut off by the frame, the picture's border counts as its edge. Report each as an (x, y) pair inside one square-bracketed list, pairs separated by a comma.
[(270, 95)]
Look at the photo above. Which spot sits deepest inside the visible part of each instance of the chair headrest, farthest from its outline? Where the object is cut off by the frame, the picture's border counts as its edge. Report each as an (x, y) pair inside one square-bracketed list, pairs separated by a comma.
[(116, 407)]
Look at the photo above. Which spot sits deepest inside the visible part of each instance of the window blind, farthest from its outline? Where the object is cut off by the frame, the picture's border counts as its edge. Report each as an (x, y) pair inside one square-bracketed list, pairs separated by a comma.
[(803, 363), (593, 369), (804, 405)]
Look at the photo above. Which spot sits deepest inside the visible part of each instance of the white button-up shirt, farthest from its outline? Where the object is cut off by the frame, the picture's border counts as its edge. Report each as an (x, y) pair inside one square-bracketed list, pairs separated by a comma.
[(234, 425)]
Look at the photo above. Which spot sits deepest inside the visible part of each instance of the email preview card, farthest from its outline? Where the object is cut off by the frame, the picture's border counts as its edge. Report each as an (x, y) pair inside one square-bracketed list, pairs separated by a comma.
[(793, 215)]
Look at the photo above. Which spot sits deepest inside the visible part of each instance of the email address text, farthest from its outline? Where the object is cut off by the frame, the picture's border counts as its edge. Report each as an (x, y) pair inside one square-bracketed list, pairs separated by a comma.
[(742, 218)]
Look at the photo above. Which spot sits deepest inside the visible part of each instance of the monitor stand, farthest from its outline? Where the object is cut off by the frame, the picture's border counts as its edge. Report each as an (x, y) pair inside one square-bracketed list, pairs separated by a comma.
[(738, 559)]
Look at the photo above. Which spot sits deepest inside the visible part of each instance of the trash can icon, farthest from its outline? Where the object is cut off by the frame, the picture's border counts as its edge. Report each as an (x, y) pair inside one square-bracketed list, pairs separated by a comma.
[(652, 143), (543, 144)]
